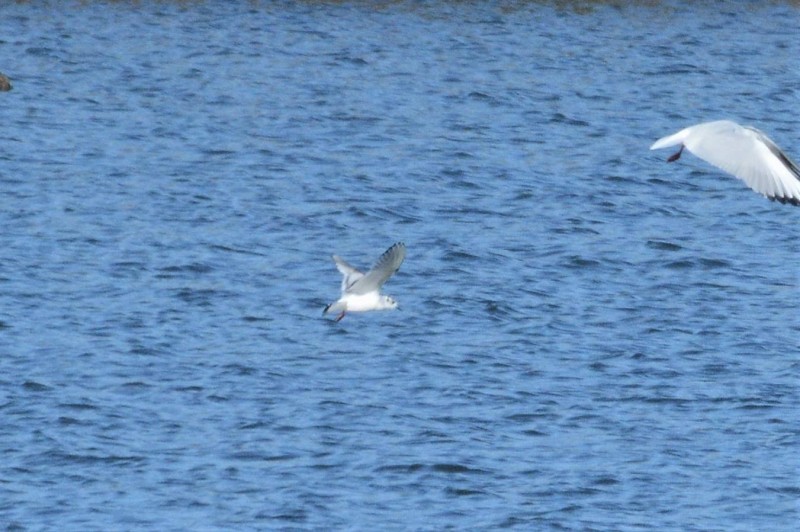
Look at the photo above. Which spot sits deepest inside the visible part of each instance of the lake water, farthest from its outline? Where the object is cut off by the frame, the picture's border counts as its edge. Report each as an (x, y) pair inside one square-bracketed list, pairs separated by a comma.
[(588, 338)]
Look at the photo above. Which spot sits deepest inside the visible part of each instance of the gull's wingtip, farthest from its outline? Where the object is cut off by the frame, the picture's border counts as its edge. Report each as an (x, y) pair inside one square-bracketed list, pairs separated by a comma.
[(399, 249)]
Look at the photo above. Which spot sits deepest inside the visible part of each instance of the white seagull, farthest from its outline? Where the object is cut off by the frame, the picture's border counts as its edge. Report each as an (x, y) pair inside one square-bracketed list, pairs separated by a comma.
[(361, 292), (742, 151)]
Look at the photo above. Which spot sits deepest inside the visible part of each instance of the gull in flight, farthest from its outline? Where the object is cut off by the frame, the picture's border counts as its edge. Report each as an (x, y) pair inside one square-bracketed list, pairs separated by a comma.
[(742, 151), (361, 292)]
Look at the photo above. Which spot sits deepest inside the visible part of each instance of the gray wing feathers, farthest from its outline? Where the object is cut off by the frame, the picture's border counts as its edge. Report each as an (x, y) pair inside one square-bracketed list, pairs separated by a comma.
[(350, 275), (385, 267)]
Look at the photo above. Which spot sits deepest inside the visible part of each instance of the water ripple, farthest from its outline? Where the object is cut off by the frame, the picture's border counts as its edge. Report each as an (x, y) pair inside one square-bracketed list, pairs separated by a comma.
[(588, 338)]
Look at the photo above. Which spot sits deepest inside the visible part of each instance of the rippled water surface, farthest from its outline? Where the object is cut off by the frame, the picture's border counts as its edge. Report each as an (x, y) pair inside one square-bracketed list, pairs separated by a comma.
[(588, 338)]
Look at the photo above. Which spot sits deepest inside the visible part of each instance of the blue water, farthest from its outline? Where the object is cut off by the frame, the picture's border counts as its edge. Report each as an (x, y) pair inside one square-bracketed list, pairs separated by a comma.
[(588, 337)]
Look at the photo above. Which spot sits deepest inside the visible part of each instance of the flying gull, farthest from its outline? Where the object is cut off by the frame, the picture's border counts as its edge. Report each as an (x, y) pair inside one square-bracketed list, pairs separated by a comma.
[(361, 292), (742, 151)]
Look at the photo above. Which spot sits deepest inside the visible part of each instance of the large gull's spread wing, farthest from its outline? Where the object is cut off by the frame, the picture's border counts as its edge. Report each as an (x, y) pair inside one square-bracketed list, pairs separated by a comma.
[(744, 152), (387, 264), (349, 274), (784, 172)]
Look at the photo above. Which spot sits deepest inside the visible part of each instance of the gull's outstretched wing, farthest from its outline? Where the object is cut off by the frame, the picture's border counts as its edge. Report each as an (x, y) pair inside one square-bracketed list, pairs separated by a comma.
[(387, 264), (744, 152), (350, 275), (779, 179)]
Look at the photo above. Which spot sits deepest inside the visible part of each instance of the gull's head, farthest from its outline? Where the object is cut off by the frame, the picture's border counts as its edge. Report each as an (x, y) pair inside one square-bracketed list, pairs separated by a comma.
[(389, 302)]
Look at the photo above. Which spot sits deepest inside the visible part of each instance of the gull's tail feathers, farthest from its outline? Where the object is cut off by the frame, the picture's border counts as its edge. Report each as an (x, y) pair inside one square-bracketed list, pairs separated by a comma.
[(671, 140), (338, 306)]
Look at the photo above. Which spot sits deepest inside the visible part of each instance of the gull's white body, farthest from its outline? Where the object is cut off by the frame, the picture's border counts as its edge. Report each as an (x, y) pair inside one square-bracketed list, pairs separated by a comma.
[(363, 302), (361, 292), (743, 151)]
